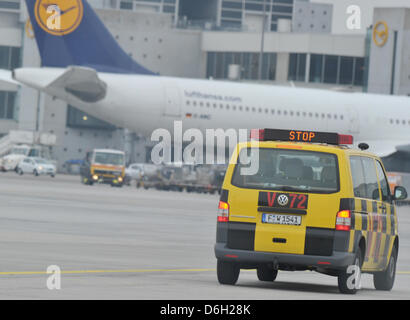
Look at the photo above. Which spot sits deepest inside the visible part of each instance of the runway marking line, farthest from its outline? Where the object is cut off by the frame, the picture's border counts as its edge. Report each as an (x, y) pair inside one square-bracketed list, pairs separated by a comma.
[(402, 272), (12, 273), (9, 273)]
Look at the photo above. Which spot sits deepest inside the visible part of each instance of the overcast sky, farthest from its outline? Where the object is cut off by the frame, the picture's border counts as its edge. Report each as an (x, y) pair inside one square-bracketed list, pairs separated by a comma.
[(366, 6)]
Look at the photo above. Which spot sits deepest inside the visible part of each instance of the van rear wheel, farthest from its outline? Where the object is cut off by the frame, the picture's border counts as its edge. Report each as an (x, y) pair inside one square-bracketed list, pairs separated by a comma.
[(227, 272), (349, 279), (265, 273), (385, 280)]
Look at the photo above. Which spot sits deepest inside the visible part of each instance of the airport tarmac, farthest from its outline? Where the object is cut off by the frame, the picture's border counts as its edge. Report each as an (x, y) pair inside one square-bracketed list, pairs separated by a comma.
[(127, 243)]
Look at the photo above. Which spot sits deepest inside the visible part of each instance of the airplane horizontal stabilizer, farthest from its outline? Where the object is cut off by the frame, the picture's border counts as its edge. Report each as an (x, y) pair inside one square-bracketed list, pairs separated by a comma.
[(81, 82), (6, 76)]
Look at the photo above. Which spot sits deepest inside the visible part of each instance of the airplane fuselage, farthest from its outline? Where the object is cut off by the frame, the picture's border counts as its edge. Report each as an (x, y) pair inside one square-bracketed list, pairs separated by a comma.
[(143, 103)]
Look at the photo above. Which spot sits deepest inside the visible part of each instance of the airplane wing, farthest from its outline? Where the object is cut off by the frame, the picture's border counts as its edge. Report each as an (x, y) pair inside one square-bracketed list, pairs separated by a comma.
[(6, 76), (81, 82), (384, 148)]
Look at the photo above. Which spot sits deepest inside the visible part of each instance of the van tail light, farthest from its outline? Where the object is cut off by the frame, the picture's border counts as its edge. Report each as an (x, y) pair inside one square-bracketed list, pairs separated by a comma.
[(223, 211), (343, 220)]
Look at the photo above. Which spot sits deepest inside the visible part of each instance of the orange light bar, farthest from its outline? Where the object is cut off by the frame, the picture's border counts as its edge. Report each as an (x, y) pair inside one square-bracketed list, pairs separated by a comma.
[(300, 136)]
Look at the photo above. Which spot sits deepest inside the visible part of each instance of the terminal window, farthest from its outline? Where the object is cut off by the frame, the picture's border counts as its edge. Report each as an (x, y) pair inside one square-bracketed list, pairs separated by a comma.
[(218, 65), (168, 6), (198, 10), (13, 5), (346, 70), (7, 104), (127, 5), (335, 69), (78, 119), (330, 70), (297, 67), (9, 57), (234, 11)]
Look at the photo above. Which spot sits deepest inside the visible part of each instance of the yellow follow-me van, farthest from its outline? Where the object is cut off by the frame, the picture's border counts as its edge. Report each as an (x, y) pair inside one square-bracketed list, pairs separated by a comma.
[(311, 204)]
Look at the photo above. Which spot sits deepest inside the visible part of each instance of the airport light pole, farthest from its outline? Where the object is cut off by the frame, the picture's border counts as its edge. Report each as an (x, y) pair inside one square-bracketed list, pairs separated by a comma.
[(38, 110), (393, 68), (262, 41)]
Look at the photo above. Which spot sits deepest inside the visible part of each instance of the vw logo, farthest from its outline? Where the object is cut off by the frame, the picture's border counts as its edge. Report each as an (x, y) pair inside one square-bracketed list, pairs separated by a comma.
[(283, 200)]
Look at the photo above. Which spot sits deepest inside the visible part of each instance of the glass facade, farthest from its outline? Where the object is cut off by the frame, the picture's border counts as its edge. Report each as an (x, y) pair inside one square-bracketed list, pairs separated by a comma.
[(359, 71), (316, 66), (169, 6), (297, 67), (218, 63), (7, 104), (10, 4), (329, 69), (126, 5), (346, 70), (166, 6), (9, 57), (79, 119), (336, 69), (233, 11)]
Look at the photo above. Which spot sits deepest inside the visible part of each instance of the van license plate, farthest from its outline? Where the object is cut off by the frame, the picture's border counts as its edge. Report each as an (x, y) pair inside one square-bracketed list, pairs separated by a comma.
[(281, 219)]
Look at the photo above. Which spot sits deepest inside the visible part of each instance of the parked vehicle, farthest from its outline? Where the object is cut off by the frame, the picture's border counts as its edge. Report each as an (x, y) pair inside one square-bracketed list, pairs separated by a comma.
[(16, 155), (181, 176), (150, 176), (36, 166), (18, 144)]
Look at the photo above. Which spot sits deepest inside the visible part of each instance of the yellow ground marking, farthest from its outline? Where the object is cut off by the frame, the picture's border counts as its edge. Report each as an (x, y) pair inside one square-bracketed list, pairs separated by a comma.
[(9, 273), (18, 273)]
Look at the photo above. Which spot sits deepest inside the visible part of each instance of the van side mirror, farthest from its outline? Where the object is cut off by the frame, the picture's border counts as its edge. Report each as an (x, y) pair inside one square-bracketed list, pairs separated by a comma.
[(400, 193)]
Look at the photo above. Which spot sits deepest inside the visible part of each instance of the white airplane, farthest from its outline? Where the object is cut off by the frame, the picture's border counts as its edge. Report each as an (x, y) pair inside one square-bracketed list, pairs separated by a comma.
[(86, 68)]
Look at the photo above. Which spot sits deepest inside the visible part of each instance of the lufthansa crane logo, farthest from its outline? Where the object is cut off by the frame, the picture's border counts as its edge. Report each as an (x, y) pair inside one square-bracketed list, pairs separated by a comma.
[(59, 17), (380, 33)]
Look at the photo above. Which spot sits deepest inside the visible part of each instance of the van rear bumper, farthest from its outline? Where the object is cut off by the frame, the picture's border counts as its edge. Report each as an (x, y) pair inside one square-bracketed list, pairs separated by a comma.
[(338, 260)]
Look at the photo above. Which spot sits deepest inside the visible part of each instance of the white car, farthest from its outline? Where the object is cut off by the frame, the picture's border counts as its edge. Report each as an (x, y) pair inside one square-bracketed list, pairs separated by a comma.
[(36, 166)]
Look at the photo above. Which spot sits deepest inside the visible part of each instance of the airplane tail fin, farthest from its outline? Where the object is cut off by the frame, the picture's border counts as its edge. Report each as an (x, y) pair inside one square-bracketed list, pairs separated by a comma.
[(68, 32)]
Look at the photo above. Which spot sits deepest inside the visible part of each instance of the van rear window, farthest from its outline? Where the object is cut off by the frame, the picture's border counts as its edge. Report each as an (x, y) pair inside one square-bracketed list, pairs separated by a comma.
[(289, 170)]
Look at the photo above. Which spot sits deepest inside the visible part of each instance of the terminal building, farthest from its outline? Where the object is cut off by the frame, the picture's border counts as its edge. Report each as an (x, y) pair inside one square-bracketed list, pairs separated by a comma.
[(279, 42)]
